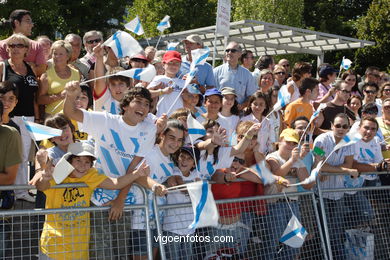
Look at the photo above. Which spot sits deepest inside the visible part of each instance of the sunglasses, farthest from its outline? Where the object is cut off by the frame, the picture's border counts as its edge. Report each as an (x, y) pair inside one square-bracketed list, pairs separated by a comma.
[(370, 91), (94, 41), (386, 107), (287, 65), (341, 126), (19, 46), (231, 50), (346, 91), (280, 73), (239, 160), (386, 90)]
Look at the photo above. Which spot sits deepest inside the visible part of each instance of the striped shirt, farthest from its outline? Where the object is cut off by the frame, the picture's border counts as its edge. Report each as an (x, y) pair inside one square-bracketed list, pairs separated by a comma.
[(327, 142)]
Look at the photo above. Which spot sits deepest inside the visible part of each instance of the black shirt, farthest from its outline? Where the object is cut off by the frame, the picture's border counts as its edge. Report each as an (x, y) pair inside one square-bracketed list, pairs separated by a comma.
[(330, 113)]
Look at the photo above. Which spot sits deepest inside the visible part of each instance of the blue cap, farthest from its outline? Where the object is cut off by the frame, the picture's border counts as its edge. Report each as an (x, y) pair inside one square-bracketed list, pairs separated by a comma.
[(326, 70), (212, 91)]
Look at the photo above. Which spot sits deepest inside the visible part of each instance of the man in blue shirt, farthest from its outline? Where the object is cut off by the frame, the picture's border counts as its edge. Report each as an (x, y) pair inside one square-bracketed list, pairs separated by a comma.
[(204, 77), (233, 75)]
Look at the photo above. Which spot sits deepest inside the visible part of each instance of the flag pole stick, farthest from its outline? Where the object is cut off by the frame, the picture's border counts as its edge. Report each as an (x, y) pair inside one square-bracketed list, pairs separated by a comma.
[(146, 38), (176, 99), (159, 38), (59, 104), (242, 172)]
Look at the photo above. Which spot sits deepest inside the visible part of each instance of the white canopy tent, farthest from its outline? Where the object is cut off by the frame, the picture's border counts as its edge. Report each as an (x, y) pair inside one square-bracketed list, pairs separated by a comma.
[(268, 39)]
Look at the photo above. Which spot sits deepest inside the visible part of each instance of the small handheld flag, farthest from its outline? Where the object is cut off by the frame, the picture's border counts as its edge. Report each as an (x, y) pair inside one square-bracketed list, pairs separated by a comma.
[(284, 98), (294, 235), (203, 205), (195, 129), (123, 44), (145, 74), (62, 169), (345, 63), (172, 46), (263, 173), (352, 137), (164, 23), (40, 132), (199, 57), (135, 26)]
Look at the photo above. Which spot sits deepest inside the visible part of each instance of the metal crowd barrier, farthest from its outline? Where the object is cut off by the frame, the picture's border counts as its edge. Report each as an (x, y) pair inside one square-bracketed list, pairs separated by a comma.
[(354, 226)]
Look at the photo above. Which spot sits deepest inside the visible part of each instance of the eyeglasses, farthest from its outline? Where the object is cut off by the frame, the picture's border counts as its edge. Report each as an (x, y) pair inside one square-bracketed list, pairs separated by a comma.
[(239, 160), (345, 91), (386, 107), (370, 91), (231, 50), (94, 41), (280, 73), (19, 46), (341, 126)]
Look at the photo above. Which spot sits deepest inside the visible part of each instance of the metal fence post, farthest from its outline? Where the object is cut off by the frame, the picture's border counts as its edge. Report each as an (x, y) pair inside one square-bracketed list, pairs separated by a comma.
[(159, 228), (324, 222), (323, 243), (147, 220)]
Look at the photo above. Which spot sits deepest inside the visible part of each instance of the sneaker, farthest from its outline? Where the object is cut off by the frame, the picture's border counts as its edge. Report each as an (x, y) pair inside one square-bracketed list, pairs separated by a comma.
[(25, 197)]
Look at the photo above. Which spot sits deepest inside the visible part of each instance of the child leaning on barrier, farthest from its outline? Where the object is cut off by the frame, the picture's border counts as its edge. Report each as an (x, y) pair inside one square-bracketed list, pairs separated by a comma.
[(177, 220), (66, 235)]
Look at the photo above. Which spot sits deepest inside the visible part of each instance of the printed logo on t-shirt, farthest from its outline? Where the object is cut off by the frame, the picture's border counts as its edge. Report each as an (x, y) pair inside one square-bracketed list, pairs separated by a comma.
[(32, 82)]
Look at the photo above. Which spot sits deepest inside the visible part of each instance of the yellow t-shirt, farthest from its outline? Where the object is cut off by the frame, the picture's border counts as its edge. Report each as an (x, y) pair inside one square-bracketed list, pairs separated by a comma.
[(57, 85), (386, 134), (67, 235), (297, 109)]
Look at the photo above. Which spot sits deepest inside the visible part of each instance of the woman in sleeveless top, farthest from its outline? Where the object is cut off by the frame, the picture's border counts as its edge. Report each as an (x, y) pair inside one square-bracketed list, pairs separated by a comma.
[(51, 88), (17, 71)]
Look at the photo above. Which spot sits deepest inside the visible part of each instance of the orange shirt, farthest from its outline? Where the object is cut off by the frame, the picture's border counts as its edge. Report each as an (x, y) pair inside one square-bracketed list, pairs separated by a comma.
[(297, 109)]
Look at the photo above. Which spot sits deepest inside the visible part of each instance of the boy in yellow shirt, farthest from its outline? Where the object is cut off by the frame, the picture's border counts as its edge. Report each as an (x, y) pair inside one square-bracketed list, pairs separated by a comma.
[(66, 235)]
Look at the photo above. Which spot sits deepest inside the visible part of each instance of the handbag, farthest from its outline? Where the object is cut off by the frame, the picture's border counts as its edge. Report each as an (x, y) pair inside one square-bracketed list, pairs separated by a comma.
[(359, 245)]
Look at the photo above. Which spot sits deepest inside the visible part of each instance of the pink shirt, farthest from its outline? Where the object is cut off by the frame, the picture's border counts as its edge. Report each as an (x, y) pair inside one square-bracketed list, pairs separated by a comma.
[(34, 55), (322, 92)]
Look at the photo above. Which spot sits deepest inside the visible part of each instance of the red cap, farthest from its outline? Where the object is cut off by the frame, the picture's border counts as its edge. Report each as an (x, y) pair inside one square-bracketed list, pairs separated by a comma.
[(171, 55)]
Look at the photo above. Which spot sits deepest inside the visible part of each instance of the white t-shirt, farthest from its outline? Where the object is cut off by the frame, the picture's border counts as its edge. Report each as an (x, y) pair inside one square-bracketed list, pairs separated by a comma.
[(232, 125), (223, 122), (326, 142), (107, 103), (264, 136), (177, 220), (207, 167), (161, 168), (116, 144), (167, 100)]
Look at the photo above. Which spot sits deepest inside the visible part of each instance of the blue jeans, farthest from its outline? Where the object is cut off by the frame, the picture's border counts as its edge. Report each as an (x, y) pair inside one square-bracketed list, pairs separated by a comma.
[(279, 214), (358, 209)]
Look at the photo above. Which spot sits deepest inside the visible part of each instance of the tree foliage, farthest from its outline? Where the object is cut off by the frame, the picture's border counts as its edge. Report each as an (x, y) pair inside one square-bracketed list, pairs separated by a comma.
[(66, 16), (286, 12), (185, 14), (375, 26)]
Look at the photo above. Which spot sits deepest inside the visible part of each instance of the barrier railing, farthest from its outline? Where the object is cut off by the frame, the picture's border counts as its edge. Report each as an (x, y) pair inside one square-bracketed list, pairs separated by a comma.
[(354, 226)]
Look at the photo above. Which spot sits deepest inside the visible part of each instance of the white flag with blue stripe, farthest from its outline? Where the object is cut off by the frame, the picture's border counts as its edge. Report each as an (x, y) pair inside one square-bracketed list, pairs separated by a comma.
[(294, 235), (317, 112), (352, 137), (145, 74), (40, 132), (172, 46), (263, 173), (123, 44), (345, 63), (284, 98), (199, 57), (203, 205), (195, 129), (135, 26), (164, 24)]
